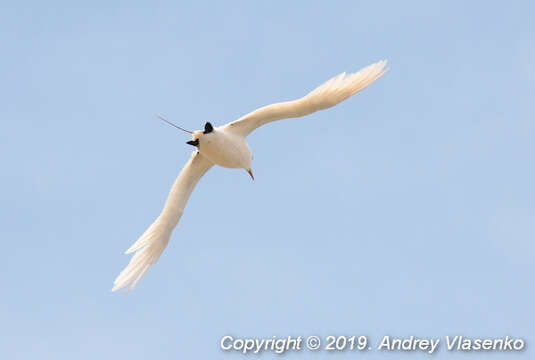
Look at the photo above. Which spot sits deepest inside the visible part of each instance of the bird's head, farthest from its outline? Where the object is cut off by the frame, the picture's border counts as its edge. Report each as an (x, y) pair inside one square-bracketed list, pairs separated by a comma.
[(199, 134)]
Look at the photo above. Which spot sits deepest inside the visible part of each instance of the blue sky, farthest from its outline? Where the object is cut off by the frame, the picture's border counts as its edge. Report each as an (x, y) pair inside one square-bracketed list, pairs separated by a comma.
[(407, 210)]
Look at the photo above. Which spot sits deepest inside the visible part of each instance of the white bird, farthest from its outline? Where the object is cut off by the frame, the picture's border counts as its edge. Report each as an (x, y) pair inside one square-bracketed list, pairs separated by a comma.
[(226, 146)]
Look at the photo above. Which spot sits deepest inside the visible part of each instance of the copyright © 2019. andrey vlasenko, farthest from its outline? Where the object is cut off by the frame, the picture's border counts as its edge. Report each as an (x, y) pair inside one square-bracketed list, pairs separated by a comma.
[(362, 343)]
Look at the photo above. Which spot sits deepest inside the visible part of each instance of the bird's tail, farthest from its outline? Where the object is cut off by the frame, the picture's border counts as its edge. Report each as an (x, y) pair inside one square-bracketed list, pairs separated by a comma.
[(148, 249)]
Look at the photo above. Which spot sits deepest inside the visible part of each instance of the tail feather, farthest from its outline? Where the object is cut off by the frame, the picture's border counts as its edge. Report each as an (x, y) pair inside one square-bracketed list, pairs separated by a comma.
[(148, 249)]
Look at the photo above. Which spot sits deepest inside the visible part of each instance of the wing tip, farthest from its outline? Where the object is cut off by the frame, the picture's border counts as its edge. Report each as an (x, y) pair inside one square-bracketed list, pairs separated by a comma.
[(147, 253)]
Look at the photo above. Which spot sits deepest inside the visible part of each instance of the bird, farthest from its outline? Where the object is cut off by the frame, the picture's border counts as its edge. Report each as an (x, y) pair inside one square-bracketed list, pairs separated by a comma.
[(226, 146)]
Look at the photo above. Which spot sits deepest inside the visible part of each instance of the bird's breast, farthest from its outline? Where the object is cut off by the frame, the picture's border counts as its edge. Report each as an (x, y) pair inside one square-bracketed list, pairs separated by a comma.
[(227, 150)]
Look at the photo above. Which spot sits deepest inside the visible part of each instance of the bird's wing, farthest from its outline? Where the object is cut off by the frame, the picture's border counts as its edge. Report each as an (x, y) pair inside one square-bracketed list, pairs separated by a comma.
[(152, 243), (325, 96)]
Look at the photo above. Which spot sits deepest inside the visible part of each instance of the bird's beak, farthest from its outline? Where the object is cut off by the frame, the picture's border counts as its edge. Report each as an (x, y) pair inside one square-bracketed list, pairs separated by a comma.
[(194, 143), (251, 173)]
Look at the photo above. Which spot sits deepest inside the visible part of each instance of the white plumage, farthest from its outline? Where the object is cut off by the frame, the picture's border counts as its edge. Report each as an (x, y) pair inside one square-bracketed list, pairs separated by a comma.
[(226, 146)]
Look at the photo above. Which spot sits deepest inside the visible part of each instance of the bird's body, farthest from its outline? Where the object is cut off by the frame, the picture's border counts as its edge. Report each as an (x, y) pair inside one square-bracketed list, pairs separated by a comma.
[(226, 146)]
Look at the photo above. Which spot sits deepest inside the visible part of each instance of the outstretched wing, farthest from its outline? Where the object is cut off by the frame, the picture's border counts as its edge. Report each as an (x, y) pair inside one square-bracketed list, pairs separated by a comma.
[(325, 96), (152, 243)]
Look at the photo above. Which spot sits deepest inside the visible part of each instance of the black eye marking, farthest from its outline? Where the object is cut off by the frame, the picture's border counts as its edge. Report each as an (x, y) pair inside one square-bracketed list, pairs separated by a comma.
[(208, 128), (194, 143)]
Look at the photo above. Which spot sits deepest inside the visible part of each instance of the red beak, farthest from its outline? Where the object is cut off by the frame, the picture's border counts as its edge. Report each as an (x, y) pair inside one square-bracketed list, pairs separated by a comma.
[(251, 173)]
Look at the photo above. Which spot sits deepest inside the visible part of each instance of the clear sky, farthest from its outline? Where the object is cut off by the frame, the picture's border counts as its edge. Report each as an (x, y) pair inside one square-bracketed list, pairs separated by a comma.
[(407, 210)]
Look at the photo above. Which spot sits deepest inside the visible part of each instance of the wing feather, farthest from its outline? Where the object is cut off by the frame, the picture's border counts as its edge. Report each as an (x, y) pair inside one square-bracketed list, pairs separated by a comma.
[(152, 243), (332, 92)]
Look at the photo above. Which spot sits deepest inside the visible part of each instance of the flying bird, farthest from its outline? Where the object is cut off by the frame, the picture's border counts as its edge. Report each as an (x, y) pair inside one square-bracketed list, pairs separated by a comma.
[(226, 146)]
